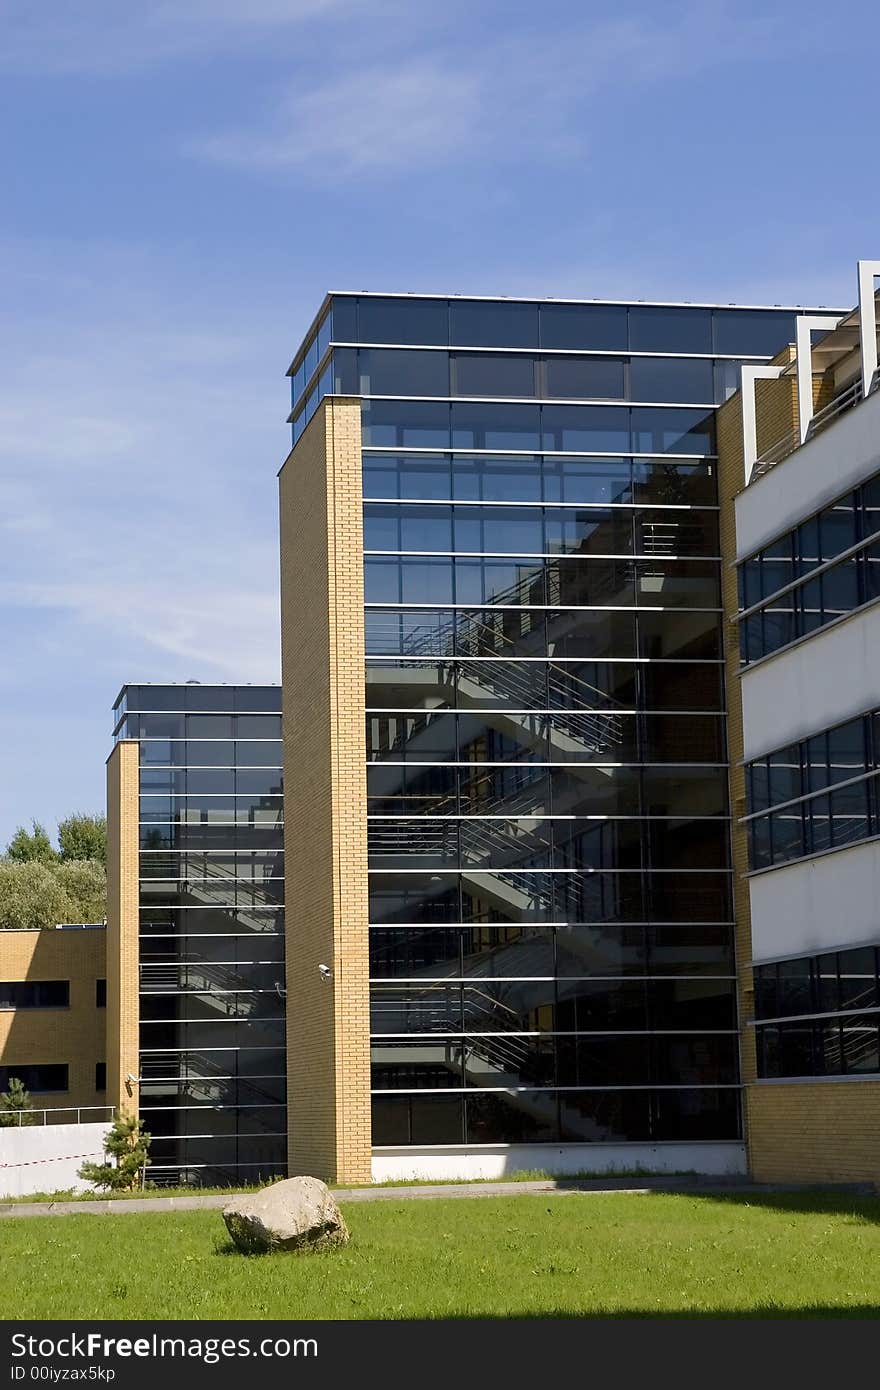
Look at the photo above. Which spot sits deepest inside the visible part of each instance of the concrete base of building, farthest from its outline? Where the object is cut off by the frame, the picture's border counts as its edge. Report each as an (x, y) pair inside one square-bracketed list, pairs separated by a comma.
[(47, 1158), (467, 1163)]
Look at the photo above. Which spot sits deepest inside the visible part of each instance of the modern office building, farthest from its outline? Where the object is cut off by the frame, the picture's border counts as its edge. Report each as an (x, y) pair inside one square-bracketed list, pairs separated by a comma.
[(195, 960), (512, 937), (799, 461), (558, 596)]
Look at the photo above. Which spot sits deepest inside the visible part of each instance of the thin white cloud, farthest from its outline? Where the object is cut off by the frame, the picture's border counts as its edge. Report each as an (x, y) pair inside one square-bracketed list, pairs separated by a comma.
[(138, 446), (515, 96), (227, 633), (363, 121)]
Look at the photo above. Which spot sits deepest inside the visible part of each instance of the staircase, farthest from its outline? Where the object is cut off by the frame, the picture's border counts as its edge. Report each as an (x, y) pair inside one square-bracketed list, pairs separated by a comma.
[(202, 1078)]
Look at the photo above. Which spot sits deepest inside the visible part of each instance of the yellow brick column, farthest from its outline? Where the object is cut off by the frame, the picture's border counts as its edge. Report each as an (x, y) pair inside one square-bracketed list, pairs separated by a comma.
[(731, 480), (123, 1012), (776, 419), (325, 836)]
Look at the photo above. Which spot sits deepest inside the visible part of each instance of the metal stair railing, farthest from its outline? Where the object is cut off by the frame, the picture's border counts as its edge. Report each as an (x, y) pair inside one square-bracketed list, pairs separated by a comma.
[(213, 871), (179, 1067), (454, 841)]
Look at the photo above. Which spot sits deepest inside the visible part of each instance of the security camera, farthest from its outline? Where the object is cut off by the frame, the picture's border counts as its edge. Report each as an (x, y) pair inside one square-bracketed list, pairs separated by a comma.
[(325, 972)]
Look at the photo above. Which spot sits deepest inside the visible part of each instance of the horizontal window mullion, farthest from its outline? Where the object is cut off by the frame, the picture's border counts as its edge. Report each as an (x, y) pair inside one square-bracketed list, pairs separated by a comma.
[(632, 660), (562, 557), (593, 819), (451, 762), (832, 1016), (502, 869), (456, 981), (378, 607), (452, 501), (467, 1089), (479, 350), (602, 924), (473, 452), (562, 1033)]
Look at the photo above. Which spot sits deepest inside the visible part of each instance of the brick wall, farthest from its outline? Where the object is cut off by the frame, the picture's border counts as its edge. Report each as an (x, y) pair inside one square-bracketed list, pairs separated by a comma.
[(828, 1131), (325, 849), (75, 1035)]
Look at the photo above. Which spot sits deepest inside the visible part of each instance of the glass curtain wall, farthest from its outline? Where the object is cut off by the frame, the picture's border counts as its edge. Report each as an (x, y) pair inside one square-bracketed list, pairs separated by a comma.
[(550, 895), (212, 1031)]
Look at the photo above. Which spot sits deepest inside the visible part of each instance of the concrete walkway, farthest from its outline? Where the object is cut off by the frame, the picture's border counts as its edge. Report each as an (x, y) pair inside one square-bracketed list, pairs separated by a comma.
[(429, 1192)]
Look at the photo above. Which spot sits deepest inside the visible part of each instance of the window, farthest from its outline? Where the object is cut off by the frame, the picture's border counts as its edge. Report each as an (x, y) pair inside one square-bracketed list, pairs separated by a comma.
[(653, 328), (36, 1077), (484, 375), (405, 424), (496, 427), (596, 327), (487, 323), (581, 429), (673, 482), (589, 480), (399, 372), (100, 1076), (819, 1015), (672, 379), (791, 780), (346, 381), (203, 697), (589, 377), (817, 599), (752, 333), (100, 994), (664, 430), (402, 320), (35, 994), (496, 479)]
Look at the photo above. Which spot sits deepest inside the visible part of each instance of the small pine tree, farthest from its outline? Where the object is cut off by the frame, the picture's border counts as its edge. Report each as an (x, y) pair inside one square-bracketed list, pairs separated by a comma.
[(126, 1145), (15, 1105)]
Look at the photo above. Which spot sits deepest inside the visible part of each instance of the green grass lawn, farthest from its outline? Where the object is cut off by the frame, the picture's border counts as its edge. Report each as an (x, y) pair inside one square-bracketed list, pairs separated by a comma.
[(578, 1255)]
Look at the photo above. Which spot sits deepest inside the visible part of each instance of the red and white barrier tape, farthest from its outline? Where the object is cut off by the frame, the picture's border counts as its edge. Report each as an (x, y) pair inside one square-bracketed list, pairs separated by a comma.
[(33, 1162)]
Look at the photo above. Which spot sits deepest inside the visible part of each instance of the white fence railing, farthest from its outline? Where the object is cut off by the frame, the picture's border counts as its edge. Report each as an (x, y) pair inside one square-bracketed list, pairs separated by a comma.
[(58, 1115)]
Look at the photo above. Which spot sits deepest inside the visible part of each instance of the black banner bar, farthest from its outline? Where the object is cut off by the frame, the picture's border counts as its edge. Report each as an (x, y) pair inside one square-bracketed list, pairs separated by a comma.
[(165, 1355)]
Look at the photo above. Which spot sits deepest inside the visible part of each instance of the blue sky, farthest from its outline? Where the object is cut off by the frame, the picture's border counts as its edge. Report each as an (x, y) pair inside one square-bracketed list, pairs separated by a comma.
[(183, 179)]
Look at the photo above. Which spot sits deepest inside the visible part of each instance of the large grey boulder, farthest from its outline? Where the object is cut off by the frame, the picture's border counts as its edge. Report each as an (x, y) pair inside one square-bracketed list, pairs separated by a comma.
[(296, 1214)]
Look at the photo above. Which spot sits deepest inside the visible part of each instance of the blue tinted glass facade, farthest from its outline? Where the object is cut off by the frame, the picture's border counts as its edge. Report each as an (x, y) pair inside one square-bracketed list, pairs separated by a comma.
[(554, 351), (551, 938), (211, 887)]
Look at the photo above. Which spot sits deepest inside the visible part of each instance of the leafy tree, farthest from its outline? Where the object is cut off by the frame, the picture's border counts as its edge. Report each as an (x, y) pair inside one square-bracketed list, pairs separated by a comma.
[(27, 846), (83, 837), (31, 895), (126, 1145), (40, 886), (84, 881), (15, 1105)]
